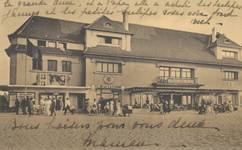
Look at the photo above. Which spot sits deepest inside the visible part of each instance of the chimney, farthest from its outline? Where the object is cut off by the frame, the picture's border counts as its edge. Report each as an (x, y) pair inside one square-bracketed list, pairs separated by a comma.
[(125, 21), (214, 35)]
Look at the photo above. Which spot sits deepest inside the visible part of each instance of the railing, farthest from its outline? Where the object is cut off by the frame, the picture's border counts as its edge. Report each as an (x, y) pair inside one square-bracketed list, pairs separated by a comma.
[(173, 80), (48, 78)]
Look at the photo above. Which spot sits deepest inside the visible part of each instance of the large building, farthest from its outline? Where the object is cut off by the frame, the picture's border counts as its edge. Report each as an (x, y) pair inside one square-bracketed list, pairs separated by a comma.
[(122, 61)]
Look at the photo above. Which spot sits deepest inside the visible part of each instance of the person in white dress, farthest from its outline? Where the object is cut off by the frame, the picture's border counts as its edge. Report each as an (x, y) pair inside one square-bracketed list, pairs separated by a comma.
[(119, 110), (112, 108), (47, 106)]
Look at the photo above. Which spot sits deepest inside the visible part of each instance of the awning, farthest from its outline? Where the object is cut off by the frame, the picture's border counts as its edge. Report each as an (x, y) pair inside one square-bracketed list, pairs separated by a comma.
[(180, 90), (14, 88)]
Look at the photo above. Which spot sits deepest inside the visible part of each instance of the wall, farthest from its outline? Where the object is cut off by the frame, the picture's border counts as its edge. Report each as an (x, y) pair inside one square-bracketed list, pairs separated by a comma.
[(72, 46), (143, 74), (76, 74), (13, 68), (218, 52), (92, 38)]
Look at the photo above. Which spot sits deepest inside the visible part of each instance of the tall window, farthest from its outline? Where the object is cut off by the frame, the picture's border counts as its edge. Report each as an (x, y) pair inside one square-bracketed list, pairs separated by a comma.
[(164, 71), (41, 43), (36, 64), (109, 40), (229, 54), (230, 75), (66, 66), (52, 65), (108, 67), (176, 72), (187, 73)]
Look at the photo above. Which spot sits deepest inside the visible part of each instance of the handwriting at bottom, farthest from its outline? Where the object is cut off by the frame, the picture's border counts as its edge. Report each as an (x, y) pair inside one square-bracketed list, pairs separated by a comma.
[(108, 142)]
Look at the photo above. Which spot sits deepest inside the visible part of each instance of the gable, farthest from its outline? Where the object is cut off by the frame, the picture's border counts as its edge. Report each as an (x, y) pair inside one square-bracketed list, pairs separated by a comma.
[(105, 24)]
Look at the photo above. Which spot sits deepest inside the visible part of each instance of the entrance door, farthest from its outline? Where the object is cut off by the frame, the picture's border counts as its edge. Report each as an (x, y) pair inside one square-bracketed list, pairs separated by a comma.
[(81, 102), (177, 100)]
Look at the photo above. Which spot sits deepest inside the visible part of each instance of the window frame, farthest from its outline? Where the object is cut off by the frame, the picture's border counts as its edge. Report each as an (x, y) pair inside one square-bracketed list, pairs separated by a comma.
[(104, 40), (37, 64), (65, 66), (39, 41), (230, 75), (54, 42), (229, 54), (108, 67), (167, 72), (56, 65)]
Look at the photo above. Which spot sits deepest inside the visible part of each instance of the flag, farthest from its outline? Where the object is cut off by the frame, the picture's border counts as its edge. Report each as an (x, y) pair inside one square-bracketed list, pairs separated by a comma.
[(33, 51)]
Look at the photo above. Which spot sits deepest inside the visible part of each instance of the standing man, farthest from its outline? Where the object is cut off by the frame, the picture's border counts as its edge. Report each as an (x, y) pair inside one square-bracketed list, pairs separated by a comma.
[(52, 107), (23, 106), (29, 106), (68, 106), (17, 103)]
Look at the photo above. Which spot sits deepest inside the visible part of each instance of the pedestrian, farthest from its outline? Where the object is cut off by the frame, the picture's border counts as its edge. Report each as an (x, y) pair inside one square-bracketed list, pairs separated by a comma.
[(42, 105), (47, 106), (112, 108), (23, 106), (94, 106), (230, 106), (52, 108), (29, 106), (119, 111), (68, 106), (161, 108), (17, 103), (99, 107)]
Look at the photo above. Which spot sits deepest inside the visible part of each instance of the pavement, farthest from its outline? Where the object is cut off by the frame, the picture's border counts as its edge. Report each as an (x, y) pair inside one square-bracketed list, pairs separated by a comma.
[(181, 130)]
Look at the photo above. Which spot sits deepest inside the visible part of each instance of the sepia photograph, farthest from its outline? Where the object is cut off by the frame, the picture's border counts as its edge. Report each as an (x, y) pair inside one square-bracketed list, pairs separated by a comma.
[(121, 75)]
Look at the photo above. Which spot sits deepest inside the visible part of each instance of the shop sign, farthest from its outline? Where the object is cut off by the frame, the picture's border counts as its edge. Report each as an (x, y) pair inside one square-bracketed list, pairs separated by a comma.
[(108, 86)]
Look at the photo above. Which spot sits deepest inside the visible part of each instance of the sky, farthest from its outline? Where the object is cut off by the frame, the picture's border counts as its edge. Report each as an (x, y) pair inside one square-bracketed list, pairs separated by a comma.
[(232, 26)]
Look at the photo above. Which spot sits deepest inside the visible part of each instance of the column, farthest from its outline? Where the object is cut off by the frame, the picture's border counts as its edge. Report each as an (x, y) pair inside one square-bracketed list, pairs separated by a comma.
[(171, 104)]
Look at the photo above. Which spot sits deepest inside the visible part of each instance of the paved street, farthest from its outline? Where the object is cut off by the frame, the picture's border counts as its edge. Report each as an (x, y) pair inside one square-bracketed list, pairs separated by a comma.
[(151, 131)]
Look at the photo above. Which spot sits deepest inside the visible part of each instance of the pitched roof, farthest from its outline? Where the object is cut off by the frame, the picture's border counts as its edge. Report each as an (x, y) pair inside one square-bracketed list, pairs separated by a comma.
[(51, 29), (146, 42), (105, 24), (224, 41), (165, 44)]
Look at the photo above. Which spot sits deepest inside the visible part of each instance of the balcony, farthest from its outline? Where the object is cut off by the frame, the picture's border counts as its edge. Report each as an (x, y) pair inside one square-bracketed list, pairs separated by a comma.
[(54, 79), (177, 82)]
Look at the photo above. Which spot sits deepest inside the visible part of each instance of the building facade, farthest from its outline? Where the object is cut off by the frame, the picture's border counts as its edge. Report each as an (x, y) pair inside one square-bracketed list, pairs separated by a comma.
[(126, 62)]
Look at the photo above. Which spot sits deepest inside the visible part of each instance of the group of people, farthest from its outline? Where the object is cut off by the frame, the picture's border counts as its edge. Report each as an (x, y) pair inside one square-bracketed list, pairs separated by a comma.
[(111, 107), (208, 106), (163, 106), (47, 106), (26, 105)]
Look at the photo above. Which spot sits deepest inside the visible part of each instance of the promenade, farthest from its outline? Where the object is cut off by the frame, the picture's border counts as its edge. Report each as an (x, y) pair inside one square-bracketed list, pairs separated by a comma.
[(102, 132)]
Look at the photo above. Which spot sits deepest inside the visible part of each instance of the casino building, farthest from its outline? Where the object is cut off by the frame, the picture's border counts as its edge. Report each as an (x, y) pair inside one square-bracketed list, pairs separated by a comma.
[(122, 61)]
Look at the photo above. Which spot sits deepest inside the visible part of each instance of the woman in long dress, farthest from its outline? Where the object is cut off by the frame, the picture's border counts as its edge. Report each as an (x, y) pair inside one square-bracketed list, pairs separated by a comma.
[(112, 108), (47, 106), (119, 111)]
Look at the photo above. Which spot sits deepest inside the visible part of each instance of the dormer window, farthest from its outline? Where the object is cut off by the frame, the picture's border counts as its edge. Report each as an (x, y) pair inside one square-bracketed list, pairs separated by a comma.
[(107, 40), (229, 54)]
